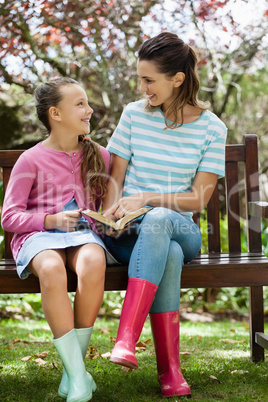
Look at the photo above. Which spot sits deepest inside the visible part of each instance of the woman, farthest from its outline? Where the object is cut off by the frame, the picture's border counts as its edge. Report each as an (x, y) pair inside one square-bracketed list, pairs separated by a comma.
[(167, 153)]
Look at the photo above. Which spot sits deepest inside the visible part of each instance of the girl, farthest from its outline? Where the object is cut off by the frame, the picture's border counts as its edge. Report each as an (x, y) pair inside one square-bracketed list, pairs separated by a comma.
[(49, 186), (167, 152)]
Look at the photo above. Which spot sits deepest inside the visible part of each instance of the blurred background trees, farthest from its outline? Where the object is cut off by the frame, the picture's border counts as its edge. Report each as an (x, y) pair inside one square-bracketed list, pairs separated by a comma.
[(95, 42)]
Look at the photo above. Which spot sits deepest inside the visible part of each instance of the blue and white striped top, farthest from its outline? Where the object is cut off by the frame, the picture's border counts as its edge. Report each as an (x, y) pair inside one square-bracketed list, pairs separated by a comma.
[(166, 161)]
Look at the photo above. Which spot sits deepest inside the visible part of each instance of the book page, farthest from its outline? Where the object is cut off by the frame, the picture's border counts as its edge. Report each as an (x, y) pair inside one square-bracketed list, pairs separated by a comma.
[(100, 218), (131, 217), (121, 223)]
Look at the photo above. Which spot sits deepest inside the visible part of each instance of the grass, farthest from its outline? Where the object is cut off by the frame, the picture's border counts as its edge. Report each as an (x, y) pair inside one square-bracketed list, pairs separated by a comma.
[(215, 368)]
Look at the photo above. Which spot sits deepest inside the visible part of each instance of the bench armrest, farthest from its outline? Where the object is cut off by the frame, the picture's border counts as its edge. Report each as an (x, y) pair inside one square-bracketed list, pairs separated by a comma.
[(258, 208)]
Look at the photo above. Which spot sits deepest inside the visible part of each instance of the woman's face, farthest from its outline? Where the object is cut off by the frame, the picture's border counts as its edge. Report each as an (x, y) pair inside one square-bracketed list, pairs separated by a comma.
[(159, 89)]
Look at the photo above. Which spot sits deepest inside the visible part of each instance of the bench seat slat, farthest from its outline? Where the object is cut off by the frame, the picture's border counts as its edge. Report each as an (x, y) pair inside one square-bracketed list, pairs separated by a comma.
[(261, 339), (203, 271)]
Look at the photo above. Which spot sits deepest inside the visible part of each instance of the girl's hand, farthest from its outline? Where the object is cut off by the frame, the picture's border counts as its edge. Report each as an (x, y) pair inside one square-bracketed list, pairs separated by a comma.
[(66, 221), (103, 229), (108, 231), (126, 205)]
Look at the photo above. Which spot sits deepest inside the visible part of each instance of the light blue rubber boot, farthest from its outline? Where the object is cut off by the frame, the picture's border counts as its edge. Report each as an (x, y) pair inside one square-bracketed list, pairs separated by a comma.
[(80, 385), (83, 336)]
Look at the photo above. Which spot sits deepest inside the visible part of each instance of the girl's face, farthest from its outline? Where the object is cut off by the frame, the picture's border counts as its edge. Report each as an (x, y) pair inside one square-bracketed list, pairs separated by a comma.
[(159, 89), (73, 110)]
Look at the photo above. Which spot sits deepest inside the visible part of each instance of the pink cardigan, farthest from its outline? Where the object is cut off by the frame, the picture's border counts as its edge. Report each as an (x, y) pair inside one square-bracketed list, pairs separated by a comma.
[(41, 183)]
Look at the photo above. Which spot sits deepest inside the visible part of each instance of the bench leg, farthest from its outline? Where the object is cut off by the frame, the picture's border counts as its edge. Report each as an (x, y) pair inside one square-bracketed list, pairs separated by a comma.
[(256, 315)]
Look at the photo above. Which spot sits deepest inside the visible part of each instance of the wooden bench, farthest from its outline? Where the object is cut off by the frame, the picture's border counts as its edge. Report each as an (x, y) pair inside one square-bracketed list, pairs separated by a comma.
[(213, 270)]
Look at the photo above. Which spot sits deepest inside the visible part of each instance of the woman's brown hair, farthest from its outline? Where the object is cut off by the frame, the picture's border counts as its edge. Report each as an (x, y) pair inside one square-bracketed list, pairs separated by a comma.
[(93, 168), (171, 55)]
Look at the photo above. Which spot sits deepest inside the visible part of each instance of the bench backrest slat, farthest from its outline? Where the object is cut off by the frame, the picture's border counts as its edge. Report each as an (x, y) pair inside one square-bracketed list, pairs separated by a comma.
[(232, 207), (235, 153), (252, 191), (213, 223)]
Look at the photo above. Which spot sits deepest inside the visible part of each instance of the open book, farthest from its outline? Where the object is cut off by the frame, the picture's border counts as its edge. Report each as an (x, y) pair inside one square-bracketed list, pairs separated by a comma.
[(121, 223)]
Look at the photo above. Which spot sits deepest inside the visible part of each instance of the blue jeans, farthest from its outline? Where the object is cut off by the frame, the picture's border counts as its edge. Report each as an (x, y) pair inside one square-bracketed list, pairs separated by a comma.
[(156, 248)]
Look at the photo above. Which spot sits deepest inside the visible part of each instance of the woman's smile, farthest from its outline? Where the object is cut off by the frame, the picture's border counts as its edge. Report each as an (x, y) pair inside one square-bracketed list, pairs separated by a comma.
[(86, 121), (150, 97)]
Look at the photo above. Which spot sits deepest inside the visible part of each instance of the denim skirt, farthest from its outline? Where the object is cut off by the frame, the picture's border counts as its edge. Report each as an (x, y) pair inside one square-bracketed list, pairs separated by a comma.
[(55, 240)]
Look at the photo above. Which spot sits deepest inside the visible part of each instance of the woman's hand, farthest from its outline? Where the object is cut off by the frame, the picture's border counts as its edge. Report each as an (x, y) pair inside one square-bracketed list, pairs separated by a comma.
[(66, 221), (126, 205)]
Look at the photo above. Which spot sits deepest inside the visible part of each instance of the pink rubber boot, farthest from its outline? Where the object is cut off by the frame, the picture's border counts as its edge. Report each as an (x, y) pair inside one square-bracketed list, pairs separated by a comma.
[(166, 334), (139, 297)]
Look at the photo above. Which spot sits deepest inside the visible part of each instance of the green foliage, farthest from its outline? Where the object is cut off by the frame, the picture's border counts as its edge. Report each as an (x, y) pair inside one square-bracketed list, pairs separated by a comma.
[(221, 300), (18, 121), (9, 123), (264, 237), (112, 303), (23, 305), (224, 234)]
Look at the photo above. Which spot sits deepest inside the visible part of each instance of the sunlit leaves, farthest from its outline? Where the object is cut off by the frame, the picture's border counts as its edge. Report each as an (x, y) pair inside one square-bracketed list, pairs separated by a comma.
[(84, 30)]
